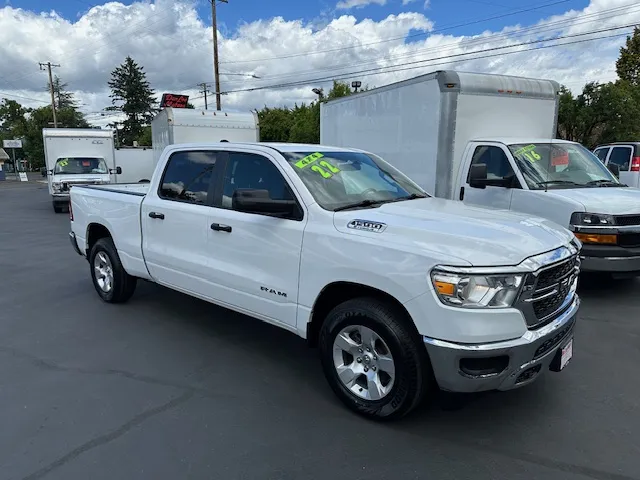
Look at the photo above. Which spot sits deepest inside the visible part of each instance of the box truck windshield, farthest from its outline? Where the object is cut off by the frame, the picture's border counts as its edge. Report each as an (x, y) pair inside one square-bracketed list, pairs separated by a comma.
[(553, 165), (80, 166)]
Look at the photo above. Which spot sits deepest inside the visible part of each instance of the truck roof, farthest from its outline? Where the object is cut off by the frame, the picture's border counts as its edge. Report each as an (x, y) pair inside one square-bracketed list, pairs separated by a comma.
[(472, 83), (281, 147), (75, 132)]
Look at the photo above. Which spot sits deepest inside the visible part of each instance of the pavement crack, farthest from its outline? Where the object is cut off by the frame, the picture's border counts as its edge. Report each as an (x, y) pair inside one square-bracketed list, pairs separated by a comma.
[(108, 437)]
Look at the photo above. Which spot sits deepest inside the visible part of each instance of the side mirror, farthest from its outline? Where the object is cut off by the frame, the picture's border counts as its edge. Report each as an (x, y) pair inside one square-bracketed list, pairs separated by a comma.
[(49, 172), (117, 171), (478, 175), (615, 169), (251, 200)]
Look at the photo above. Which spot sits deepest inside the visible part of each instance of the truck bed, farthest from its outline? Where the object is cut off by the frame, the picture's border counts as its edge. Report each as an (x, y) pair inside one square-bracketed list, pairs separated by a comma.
[(116, 207)]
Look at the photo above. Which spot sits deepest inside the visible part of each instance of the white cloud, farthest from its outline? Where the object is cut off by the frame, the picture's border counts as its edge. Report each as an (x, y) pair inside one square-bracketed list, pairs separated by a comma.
[(174, 46), (427, 4), (407, 2), (348, 4)]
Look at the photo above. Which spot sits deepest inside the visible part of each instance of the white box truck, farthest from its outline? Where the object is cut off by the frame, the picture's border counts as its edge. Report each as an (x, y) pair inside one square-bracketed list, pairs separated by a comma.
[(489, 140), (136, 164), (75, 156), (183, 125)]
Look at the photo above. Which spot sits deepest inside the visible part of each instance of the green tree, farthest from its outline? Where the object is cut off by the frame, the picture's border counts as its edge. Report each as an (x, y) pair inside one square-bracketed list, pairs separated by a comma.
[(13, 122), (63, 98), (132, 95), (628, 64)]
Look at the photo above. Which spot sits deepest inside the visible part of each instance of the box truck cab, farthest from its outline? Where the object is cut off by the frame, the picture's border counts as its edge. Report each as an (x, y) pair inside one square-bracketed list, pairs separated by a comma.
[(488, 140), (75, 156)]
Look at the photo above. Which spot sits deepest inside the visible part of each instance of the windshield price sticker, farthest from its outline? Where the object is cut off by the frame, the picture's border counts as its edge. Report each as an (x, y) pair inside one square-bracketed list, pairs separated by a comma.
[(322, 167), (63, 163), (528, 152), (309, 159)]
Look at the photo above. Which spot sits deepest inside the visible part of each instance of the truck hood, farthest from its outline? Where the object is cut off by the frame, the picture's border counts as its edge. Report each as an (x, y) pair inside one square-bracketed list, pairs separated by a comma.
[(451, 229), (605, 200)]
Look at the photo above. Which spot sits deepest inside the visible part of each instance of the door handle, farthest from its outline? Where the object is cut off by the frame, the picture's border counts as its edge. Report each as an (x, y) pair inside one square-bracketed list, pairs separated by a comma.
[(220, 228), (159, 216)]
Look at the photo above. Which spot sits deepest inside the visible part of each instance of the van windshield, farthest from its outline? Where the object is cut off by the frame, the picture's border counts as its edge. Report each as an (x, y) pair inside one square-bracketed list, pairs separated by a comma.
[(338, 180), (561, 165), (80, 166)]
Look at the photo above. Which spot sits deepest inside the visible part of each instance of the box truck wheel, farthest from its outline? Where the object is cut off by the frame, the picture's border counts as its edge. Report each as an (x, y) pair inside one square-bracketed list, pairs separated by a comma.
[(110, 279), (373, 359), (57, 207)]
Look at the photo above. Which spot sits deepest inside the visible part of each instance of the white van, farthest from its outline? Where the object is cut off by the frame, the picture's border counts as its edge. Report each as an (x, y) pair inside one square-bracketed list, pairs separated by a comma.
[(626, 155)]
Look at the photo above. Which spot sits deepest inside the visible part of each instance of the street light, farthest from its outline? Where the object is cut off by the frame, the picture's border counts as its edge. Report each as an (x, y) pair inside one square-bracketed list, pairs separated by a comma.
[(356, 85), (319, 92)]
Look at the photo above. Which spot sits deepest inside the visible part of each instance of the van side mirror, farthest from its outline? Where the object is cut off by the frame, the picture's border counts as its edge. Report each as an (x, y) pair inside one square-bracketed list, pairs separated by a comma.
[(615, 169), (251, 200), (478, 175)]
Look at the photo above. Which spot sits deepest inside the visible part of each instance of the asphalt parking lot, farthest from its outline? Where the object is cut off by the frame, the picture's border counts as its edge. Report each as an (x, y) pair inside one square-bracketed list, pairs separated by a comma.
[(169, 387)]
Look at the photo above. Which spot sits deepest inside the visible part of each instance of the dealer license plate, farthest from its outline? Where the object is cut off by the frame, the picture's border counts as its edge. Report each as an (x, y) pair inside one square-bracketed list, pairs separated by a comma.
[(567, 353)]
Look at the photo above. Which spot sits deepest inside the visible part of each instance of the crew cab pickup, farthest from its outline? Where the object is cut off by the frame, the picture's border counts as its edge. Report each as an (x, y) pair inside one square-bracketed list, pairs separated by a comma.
[(400, 291)]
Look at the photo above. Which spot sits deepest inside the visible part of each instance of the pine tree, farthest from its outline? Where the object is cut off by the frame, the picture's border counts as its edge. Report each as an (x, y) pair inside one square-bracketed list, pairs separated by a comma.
[(63, 98), (132, 95), (628, 64)]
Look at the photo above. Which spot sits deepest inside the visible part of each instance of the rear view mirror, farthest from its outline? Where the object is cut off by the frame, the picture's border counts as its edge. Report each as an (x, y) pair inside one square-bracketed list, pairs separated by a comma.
[(615, 169), (117, 171), (478, 175), (258, 201)]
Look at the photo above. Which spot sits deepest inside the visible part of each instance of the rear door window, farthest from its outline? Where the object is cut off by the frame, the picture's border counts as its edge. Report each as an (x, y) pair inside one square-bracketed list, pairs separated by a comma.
[(621, 156), (189, 177)]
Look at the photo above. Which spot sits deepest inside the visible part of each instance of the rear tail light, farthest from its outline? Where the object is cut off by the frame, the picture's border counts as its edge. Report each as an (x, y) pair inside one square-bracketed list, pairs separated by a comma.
[(70, 211), (635, 164)]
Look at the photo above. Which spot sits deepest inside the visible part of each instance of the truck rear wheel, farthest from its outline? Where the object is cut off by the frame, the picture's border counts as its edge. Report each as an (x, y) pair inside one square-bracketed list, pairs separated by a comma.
[(373, 360), (111, 281)]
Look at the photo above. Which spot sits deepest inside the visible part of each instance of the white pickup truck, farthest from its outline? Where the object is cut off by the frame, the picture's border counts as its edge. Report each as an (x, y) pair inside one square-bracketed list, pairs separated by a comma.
[(402, 292)]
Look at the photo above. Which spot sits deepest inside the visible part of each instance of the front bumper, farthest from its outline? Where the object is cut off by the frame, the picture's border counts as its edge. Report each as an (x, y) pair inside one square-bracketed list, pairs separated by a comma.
[(509, 364), (60, 197), (613, 259)]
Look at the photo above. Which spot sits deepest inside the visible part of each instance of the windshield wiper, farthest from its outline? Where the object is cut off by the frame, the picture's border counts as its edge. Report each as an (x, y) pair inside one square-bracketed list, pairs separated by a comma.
[(605, 183), (363, 203), (560, 182), (413, 196)]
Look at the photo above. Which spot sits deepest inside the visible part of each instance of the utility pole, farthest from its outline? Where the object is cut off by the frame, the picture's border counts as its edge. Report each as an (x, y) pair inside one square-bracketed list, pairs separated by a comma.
[(216, 73), (48, 66), (205, 91)]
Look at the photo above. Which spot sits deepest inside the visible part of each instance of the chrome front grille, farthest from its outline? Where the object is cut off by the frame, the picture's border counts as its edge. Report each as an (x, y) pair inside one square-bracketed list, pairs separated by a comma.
[(549, 291)]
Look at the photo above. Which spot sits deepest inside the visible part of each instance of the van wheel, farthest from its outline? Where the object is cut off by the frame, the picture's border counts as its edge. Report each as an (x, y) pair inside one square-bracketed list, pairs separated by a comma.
[(373, 360), (111, 281)]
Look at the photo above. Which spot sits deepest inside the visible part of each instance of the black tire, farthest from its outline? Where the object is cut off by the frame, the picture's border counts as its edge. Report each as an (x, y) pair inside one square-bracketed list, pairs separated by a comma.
[(123, 284), (57, 208), (413, 374)]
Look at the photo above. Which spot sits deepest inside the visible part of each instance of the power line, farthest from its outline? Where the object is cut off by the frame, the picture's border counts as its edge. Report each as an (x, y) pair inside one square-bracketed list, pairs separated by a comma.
[(48, 66), (539, 29), (404, 37), (395, 67)]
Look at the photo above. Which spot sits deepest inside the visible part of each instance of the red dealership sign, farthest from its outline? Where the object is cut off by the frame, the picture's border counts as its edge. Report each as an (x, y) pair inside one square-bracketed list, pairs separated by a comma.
[(174, 100)]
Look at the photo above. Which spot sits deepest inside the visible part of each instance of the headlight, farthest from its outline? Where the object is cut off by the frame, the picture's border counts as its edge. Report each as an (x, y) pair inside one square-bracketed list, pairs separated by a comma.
[(56, 186), (476, 291), (581, 219)]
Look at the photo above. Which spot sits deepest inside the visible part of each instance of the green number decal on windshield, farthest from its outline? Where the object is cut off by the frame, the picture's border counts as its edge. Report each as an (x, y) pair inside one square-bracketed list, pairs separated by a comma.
[(529, 153), (323, 167), (63, 163), (309, 159)]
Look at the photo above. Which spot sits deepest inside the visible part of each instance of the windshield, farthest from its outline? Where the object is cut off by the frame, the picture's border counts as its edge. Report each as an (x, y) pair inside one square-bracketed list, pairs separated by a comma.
[(560, 165), (79, 166), (340, 179)]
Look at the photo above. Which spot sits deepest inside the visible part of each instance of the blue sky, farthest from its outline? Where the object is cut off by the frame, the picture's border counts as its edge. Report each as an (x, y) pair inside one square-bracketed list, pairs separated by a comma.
[(445, 13)]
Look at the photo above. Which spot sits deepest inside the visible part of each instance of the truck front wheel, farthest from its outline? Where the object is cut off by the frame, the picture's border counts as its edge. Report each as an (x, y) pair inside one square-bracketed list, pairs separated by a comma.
[(111, 281), (373, 360)]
